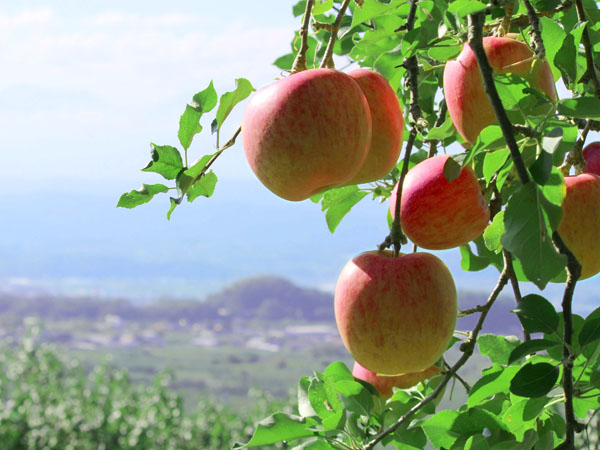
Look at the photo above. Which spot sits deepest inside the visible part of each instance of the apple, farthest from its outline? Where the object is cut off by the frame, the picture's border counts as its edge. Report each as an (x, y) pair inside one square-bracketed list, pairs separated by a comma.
[(468, 104), (385, 384), (387, 126), (437, 214), (307, 132), (591, 155), (580, 224), (395, 315)]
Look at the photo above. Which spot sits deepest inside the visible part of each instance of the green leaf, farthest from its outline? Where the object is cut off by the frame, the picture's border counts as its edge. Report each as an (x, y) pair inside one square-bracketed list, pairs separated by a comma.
[(493, 162), (497, 348), (452, 169), (595, 378), (591, 328), (564, 60), (528, 220), (529, 347), (462, 8), (534, 380), (438, 429), (522, 415), (537, 315), (371, 9), (542, 168), (492, 235), (555, 190), (204, 186), (338, 371), (141, 196), (305, 409), (321, 7), (553, 36), (338, 202), (280, 427), (228, 100), (582, 107), (315, 444), (189, 122), (298, 8), (166, 161), (490, 384), (191, 175), (471, 262)]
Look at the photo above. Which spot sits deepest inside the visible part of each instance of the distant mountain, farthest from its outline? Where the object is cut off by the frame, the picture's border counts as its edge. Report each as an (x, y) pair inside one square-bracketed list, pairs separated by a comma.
[(265, 298), (272, 298)]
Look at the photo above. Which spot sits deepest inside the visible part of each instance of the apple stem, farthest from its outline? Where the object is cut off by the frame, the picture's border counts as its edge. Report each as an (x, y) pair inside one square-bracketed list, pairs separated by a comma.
[(467, 348), (328, 57), (536, 35), (573, 274), (590, 73), (300, 60), (476, 22)]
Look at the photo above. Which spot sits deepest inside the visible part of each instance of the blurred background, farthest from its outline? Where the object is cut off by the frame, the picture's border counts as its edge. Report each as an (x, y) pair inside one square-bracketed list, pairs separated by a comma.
[(234, 293)]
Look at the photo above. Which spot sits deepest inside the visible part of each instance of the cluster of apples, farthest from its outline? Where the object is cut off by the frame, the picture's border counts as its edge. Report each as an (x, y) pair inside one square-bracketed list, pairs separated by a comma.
[(322, 128)]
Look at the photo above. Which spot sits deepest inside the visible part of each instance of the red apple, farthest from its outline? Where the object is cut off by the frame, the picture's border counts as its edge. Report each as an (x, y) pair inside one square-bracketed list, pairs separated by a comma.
[(437, 214), (468, 104), (385, 384), (388, 126), (591, 154), (580, 225), (307, 132), (395, 315)]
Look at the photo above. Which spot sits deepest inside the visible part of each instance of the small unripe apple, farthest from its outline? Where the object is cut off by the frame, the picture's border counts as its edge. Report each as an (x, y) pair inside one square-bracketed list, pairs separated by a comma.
[(395, 315), (468, 104), (580, 225), (591, 155), (437, 214), (307, 132), (388, 126), (385, 384)]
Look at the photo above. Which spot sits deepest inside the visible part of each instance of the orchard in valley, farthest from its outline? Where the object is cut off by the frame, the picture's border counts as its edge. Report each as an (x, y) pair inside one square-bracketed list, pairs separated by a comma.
[(449, 111)]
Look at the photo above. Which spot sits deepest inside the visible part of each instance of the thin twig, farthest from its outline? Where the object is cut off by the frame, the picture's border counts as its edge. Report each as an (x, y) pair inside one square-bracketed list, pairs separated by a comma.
[(573, 274), (467, 348), (590, 73), (396, 237), (536, 34), (328, 57), (512, 276), (466, 385), (476, 22), (214, 157), (300, 60)]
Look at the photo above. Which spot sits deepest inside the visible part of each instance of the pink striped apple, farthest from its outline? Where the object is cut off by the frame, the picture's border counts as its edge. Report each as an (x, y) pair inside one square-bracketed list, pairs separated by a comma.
[(388, 126), (385, 384), (591, 155), (437, 214), (580, 225), (468, 104), (395, 315), (307, 132)]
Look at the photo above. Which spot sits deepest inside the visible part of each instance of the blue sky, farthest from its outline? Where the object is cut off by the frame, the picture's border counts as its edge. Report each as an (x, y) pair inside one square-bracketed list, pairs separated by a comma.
[(84, 88)]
